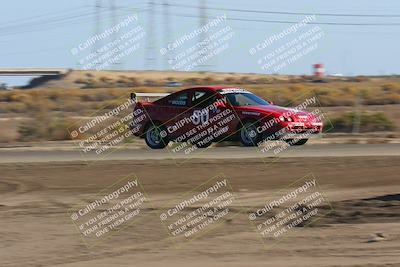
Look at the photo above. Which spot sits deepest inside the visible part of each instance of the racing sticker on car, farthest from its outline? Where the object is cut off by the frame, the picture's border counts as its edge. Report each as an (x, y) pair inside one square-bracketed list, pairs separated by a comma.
[(200, 117), (233, 90)]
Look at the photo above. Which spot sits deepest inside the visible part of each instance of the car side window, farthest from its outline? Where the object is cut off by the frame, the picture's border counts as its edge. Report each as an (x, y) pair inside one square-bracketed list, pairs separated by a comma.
[(179, 100), (202, 99)]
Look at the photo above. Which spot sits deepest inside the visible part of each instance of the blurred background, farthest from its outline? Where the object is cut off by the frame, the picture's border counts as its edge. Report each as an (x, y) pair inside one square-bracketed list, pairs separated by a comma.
[(58, 65)]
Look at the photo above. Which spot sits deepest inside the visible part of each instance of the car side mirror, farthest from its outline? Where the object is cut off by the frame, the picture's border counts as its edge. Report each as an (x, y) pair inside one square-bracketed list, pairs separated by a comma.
[(133, 97)]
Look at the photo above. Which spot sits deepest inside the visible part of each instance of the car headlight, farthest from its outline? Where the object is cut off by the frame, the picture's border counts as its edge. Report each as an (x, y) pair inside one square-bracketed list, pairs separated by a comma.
[(282, 118)]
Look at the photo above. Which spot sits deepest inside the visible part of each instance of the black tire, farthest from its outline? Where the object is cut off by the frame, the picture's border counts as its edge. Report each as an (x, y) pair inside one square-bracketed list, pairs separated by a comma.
[(299, 142), (154, 138), (248, 134)]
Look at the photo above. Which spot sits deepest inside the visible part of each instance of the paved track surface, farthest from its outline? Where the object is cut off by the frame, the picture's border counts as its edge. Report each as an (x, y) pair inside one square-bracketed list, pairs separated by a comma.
[(320, 150)]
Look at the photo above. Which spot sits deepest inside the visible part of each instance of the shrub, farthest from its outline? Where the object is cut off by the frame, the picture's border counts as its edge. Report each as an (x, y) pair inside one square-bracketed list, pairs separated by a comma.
[(17, 107), (369, 122), (44, 127), (81, 81), (208, 80), (358, 79), (262, 80), (104, 79), (245, 80), (91, 83), (229, 80), (192, 81), (150, 82), (297, 88), (133, 82)]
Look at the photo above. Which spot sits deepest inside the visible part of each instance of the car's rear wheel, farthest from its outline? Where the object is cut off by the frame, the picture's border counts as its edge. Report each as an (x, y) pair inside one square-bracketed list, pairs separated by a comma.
[(299, 142), (248, 134), (156, 136)]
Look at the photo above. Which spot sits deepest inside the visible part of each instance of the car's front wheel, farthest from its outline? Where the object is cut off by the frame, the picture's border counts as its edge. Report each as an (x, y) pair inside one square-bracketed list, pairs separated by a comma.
[(248, 134), (294, 142), (156, 137)]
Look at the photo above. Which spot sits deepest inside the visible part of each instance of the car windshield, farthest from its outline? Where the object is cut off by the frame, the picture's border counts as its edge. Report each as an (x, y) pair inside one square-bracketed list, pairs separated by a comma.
[(245, 99)]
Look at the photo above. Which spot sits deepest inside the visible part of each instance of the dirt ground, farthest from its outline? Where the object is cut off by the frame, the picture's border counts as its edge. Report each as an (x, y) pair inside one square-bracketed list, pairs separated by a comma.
[(363, 228)]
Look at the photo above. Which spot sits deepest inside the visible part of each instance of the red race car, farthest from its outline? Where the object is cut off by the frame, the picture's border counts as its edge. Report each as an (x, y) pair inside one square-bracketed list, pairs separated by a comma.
[(202, 115)]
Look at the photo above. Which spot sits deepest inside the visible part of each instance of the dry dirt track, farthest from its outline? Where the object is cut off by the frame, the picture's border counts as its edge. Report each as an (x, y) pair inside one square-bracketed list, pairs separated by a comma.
[(36, 230)]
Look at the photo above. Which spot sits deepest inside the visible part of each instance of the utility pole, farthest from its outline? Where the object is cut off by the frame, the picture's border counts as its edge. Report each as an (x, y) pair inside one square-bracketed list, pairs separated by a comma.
[(202, 37), (150, 55), (97, 26), (167, 35), (114, 36)]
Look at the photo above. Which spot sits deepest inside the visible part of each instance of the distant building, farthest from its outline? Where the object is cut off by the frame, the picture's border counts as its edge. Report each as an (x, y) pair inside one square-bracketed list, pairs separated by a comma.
[(3, 86)]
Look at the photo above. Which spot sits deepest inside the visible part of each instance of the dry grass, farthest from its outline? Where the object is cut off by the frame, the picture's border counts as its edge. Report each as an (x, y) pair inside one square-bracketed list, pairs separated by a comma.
[(367, 121), (91, 91), (376, 91), (111, 79)]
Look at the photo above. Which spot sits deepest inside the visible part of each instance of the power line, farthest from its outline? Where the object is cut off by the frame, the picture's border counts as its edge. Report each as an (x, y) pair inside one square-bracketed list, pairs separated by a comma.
[(293, 22), (290, 13), (55, 21), (263, 29), (61, 21), (52, 15), (41, 16), (47, 20)]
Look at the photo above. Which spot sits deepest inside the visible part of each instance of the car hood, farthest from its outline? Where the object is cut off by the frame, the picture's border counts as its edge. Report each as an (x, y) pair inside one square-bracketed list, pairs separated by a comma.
[(272, 109), (277, 111)]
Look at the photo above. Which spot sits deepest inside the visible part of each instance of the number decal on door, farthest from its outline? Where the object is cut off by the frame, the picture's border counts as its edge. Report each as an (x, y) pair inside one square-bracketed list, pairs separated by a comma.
[(200, 116)]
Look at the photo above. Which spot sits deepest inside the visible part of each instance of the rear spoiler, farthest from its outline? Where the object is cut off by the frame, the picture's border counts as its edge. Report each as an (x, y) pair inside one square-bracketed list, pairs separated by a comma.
[(147, 96)]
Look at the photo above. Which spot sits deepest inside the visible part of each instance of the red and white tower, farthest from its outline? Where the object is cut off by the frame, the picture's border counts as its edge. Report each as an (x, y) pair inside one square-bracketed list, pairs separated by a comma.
[(319, 70)]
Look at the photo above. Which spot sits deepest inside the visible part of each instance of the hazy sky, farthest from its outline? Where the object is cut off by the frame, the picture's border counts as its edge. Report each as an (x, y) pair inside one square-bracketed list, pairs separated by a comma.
[(42, 33)]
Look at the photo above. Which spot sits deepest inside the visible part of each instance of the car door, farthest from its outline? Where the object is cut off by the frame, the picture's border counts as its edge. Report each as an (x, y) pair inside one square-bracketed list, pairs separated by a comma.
[(207, 116), (177, 112)]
